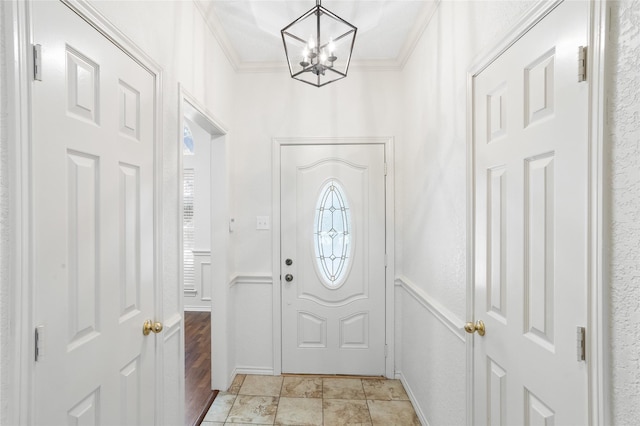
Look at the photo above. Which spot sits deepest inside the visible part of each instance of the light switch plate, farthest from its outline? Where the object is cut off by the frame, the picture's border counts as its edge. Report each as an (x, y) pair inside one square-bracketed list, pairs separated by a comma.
[(262, 222)]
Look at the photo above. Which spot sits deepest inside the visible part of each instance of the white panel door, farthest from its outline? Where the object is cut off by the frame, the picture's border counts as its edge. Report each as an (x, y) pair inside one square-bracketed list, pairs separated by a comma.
[(333, 259), (531, 165), (93, 215)]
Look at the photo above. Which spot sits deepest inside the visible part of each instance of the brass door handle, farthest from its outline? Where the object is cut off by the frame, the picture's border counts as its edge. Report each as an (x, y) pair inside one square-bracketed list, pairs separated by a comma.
[(478, 326), (149, 326)]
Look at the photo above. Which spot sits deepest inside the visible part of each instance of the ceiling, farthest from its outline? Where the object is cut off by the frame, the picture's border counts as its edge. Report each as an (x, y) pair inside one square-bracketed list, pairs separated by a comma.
[(249, 30)]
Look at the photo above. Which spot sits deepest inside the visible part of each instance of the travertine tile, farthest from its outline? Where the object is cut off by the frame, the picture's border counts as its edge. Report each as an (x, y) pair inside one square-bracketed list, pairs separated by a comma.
[(248, 424), (312, 401), (302, 387), (220, 408), (237, 384), (387, 413), (338, 412), (386, 390), (299, 412), (261, 385), (342, 389), (253, 410)]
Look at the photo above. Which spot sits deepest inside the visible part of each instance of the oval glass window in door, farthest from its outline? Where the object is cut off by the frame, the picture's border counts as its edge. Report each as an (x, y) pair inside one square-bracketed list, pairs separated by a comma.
[(332, 234)]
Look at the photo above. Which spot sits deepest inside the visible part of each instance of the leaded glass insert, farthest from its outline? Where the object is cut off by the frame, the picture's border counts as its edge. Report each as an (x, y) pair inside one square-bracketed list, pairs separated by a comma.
[(332, 234)]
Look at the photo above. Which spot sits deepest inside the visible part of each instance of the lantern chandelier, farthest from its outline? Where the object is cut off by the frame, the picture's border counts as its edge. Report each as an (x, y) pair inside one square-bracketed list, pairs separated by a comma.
[(318, 46)]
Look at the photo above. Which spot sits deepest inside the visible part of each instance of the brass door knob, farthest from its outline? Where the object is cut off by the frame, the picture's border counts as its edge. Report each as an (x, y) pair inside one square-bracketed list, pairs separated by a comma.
[(150, 326), (472, 328)]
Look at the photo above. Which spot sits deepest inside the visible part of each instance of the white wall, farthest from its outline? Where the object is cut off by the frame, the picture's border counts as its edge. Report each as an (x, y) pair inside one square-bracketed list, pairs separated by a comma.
[(431, 206), (623, 140), (272, 105), (431, 202), (4, 243)]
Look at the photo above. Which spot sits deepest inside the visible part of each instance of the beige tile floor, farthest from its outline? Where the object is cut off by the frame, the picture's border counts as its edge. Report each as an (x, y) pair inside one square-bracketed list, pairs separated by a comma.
[(311, 401)]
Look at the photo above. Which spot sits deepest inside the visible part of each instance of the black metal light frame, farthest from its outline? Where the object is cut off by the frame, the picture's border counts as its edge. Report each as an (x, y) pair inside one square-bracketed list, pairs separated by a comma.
[(316, 67)]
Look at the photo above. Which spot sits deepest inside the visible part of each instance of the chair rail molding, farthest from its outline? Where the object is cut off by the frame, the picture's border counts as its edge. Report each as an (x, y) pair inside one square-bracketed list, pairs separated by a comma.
[(447, 318), (252, 279)]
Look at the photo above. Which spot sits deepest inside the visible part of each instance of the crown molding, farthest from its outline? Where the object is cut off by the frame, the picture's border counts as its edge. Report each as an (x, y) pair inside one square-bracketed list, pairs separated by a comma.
[(214, 24), (421, 24)]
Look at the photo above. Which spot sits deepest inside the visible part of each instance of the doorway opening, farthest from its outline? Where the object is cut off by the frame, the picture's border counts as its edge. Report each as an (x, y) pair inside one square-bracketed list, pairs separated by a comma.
[(203, 212)]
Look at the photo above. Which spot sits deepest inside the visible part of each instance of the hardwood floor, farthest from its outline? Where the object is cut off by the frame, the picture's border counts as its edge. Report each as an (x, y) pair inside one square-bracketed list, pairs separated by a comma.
[(197, 355)]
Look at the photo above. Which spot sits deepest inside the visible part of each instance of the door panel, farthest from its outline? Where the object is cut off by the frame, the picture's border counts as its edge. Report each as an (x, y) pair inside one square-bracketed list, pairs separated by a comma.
[(531, 165), (93, 215), (333, 230)]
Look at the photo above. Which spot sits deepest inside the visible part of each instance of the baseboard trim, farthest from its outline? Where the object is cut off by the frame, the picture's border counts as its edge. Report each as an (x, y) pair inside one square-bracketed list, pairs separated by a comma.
[(412, 398), (259, 371), (446, 317)]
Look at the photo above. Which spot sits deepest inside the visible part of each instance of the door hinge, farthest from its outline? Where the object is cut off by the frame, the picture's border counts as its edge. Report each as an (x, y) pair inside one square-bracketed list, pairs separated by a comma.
[(386, 351), (37, 62), (582, 63), (38, 341), (385, 169), (385, 260), (581, 344)]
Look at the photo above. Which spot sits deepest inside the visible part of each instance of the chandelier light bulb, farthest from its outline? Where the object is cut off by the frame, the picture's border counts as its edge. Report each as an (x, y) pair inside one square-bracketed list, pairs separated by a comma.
[(312, 43), (331, 46), (323, 56)]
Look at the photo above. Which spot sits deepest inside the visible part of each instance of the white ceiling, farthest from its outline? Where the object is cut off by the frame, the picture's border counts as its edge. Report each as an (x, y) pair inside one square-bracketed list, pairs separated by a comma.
[(249, 30)]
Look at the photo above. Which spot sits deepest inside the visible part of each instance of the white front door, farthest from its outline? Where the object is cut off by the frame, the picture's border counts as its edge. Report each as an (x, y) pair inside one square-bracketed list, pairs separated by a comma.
[(93, 218), (531, 177), (333, 259)]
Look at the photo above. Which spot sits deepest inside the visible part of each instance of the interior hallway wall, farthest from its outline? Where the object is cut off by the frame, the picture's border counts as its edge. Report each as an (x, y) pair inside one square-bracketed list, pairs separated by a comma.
[(272, 105), (431, 164), (431, 206), (623, 199), (5, 289), (430, 173)]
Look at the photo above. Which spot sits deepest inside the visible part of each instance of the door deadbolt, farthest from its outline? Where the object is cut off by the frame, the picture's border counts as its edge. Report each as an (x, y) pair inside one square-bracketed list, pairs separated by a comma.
[(289, 262), (288, 278)]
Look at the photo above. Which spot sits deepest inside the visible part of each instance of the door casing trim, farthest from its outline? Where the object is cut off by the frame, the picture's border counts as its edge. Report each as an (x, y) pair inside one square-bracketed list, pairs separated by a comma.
[(19, 29), (388, 143), (597, 361), (221, 372)]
